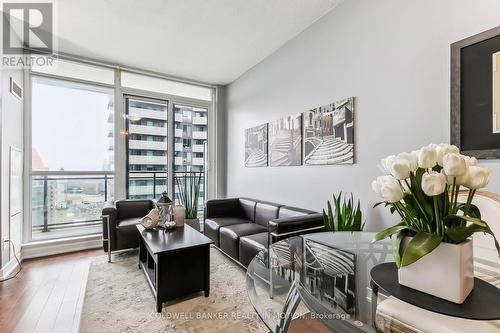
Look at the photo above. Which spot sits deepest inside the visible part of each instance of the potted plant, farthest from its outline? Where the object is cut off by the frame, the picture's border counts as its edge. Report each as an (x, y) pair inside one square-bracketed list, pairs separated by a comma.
[(431, 244), (189, 193), (346, 217)]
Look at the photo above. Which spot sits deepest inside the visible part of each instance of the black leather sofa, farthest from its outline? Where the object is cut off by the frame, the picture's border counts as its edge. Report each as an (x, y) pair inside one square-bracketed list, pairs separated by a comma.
[(241, 227), (118, 223)]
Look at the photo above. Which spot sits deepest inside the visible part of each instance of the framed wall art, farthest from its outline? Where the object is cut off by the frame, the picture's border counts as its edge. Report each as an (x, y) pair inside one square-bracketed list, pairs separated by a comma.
[(475, 95), (256, 146)]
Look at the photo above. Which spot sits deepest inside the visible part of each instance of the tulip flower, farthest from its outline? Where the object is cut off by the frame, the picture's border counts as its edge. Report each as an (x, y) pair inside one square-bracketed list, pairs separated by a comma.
[(433, 183)]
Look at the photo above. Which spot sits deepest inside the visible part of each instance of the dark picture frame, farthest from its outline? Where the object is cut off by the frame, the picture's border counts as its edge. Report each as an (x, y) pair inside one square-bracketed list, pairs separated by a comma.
[(472, 95)]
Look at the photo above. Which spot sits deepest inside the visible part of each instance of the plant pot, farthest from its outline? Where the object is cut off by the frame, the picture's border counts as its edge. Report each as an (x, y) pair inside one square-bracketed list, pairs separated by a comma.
[(447, 272), (195, 223)]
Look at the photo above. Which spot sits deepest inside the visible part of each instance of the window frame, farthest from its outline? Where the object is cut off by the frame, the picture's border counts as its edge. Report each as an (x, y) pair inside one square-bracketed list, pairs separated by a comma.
[(120, 159)]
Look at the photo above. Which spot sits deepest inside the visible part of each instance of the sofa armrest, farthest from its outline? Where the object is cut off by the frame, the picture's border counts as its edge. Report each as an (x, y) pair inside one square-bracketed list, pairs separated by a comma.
[(222, 208), (109, 215), (296, 225)]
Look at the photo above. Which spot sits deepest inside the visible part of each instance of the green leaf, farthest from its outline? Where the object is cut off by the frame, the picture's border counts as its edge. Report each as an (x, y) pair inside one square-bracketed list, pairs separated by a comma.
[(460, 234), (396, 247), (452, 220), (422, 243), (391, 231)]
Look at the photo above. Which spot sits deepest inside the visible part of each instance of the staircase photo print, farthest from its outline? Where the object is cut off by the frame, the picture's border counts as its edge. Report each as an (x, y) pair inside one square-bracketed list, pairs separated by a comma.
[(285, 141), (329, 134), (256, 146)]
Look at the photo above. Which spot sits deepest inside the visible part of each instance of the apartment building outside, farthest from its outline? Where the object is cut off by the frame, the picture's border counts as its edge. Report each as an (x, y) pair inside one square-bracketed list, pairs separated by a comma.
[(148, 132)]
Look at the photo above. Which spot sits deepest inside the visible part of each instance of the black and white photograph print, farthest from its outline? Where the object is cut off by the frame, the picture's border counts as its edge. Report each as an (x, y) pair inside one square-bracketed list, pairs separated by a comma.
[(285, 141), (256, 146), (329, 134), (330, 276)]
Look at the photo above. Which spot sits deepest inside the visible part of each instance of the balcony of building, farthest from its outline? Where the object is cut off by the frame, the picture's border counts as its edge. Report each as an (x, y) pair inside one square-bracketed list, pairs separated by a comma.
[(198, 161), (179, 146), (178, 132), (148, 130), (198, 149), (147, 160), (200, 121), (199, 135), (145, 113), (148, 145)]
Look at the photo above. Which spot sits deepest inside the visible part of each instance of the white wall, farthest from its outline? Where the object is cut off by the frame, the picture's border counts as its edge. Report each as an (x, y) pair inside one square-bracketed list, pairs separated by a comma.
[(393, 56), (11, 135)]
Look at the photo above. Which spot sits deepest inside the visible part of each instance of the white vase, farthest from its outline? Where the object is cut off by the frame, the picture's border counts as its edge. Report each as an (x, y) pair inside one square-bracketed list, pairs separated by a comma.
[(447, 272)]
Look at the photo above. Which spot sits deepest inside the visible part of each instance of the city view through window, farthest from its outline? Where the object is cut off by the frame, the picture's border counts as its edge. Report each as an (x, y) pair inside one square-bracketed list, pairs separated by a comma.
[(73, 145), (148, 147), (69, 205)]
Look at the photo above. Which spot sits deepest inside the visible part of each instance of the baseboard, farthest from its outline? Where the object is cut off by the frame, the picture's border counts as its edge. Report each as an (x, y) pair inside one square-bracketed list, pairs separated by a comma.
[(60, 246), (11, 267)]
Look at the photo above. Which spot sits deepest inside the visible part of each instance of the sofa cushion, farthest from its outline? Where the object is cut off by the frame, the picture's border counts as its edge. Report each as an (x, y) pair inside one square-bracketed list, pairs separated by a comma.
[(229, 236), (212, 226), (251, 245), (248, 208), (288, 211), (266, 211)]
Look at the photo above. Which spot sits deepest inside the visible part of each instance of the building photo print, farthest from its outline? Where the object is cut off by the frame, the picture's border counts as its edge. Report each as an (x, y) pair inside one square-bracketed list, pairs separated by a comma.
[(285, 141), (329, 134), (256, 146)]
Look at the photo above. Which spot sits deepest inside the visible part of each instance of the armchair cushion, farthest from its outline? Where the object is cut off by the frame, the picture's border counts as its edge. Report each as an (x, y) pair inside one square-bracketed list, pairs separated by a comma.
[(127, 234), (128, 224), (133, 208)]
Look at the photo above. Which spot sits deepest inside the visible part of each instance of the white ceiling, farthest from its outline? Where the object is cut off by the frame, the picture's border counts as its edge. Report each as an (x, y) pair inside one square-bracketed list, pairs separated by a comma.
[(213, 41)]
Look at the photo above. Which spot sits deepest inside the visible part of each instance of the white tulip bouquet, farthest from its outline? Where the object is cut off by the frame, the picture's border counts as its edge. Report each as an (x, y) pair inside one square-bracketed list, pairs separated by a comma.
[(422, 187)]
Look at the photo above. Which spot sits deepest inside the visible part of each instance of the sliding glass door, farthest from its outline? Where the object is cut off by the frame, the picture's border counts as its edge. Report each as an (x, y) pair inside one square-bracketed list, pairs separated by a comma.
[(147, 147), (190, 147)]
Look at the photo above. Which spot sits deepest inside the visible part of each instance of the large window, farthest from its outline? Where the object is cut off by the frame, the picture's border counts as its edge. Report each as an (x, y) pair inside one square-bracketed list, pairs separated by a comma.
[(86, 148), (72, 156)]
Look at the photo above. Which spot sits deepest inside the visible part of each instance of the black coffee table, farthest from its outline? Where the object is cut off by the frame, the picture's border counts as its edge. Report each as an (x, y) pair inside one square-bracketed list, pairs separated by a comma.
[(175, 262)]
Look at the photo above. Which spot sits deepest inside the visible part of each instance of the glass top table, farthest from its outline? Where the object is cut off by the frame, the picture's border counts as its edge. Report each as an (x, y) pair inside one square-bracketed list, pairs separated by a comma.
[(324, 277)]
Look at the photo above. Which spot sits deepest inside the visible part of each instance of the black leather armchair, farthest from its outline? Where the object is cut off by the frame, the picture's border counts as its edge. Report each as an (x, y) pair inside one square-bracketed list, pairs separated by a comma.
[(118, 224)]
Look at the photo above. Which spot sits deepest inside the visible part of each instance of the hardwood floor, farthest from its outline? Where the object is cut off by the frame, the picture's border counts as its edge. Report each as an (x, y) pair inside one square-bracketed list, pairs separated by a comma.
[(47, 295)]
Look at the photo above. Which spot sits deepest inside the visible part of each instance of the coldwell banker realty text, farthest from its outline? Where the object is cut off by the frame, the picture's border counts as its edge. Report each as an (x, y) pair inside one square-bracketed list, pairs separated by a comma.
[(28, 34)]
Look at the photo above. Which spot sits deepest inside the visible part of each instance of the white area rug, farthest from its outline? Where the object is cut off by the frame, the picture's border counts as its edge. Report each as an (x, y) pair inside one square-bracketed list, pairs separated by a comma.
[(118, 299)]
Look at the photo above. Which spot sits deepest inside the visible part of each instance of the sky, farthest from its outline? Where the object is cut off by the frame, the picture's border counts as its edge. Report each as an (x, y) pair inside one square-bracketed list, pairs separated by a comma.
[(70, 126)]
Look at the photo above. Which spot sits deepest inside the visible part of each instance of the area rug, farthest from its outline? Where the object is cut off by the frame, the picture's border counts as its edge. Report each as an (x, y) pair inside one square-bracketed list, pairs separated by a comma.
[(118, 299)]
